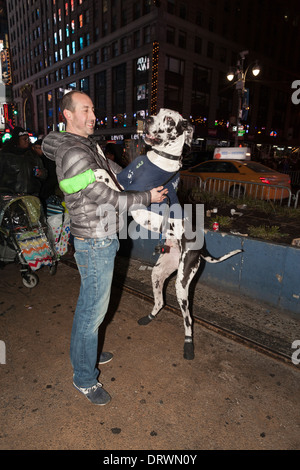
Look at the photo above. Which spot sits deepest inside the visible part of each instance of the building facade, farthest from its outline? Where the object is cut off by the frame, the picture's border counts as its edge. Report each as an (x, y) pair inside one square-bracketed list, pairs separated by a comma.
[(135, 56)]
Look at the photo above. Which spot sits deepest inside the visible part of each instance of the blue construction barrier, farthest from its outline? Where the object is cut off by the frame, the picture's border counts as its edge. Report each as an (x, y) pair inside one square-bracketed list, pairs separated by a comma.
[(264, 271)]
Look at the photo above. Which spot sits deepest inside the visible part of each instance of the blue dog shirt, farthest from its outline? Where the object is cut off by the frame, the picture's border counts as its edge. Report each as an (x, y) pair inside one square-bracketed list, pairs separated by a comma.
[(142, 175)]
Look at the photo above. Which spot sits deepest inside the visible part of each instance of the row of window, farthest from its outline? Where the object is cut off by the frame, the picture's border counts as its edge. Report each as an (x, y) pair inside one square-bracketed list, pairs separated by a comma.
[(122, 46)]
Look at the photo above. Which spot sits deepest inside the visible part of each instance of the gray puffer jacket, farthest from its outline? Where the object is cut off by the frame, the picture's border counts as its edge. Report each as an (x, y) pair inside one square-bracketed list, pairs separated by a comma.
[(95, 211)]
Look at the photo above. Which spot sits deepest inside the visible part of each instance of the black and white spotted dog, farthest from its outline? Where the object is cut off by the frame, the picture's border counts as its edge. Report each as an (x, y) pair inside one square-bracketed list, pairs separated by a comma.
[(167, 133)]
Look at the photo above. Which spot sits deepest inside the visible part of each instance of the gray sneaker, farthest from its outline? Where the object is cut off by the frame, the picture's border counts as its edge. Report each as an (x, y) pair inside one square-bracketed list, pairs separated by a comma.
[(96, 394), (105, 357)]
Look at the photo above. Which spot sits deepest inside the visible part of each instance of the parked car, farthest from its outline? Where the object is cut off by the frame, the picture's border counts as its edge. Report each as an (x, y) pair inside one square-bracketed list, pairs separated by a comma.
[(223, 174)]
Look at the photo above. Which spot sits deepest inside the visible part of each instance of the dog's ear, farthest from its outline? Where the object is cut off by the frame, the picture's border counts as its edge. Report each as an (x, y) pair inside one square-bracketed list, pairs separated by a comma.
[(188, 133)]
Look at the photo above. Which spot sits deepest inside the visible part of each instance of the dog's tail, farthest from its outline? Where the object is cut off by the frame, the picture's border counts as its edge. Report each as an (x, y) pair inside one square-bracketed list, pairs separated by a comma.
[(210, 259)]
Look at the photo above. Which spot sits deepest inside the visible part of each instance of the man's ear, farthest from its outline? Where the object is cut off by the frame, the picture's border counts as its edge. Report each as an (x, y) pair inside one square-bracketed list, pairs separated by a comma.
[(67, 114)]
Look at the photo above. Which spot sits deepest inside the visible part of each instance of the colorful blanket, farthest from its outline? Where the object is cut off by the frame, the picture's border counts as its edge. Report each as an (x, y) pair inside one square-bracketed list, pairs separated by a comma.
[(35, 249)]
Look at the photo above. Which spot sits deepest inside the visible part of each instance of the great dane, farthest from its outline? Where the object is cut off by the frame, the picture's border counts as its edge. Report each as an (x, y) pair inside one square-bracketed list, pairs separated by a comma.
[(166, 133)]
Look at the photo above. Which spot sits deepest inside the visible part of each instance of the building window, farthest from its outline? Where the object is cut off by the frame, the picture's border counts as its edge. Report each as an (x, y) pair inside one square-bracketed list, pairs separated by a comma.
[(182, 40), (201, 91), (115, 49), (72, 86), (119, 89), (147, 6), (147, 35), (84, 85), (210, 50), (136, 9), (100, 99), (198, 45), (97, 57), (124, 45), (171, 7), (170, 35), (174, 83), (182, 11), (174, 65), (105, 54), (88, 62), (136, 39)]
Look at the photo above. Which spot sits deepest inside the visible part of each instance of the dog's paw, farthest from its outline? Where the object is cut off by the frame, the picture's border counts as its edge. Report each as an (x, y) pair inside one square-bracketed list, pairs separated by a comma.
[(102, 176), (188, 351), (145, 320)]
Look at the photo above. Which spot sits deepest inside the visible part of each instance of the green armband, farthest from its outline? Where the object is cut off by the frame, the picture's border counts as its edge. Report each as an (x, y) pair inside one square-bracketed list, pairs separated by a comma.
[(78, 182)]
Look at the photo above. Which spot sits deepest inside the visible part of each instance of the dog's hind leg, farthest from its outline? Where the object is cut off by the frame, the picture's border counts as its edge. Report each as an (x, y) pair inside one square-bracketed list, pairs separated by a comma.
[(166, 264), (188, 266)]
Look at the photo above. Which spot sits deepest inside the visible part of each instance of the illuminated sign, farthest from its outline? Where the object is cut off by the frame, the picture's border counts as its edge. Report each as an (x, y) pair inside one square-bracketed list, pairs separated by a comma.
[(5, 64), (142, 64)]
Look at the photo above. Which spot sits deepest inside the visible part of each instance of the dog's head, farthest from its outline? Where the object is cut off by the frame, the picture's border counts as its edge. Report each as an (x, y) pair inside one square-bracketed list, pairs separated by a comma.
[(168, 131)]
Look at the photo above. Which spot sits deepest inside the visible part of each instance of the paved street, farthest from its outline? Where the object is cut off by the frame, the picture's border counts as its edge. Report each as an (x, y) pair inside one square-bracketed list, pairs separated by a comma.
[(229, 397)]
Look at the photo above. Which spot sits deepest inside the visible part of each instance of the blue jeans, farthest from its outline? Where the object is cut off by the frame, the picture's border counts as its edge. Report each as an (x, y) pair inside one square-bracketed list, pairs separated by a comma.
[(95, 260)]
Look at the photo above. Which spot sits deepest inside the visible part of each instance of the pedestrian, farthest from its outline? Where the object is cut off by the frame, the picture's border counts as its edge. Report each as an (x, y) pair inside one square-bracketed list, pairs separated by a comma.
[(21, 170), (115, 152), (95, 214), (49, 186)]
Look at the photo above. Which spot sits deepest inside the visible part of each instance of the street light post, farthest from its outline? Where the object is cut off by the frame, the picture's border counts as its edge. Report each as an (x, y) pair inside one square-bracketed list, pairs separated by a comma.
[(240, 87)]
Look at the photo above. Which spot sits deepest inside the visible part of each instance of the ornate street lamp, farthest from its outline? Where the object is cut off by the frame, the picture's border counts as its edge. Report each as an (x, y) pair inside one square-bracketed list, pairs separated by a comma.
[(240, 74)]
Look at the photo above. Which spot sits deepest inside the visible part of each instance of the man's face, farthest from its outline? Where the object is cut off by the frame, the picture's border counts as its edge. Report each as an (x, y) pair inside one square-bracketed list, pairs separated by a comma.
[(37, 148), (82, 120), (23, 142)]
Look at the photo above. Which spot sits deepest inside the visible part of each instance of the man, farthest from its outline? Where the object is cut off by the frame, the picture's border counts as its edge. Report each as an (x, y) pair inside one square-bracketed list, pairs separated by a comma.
[(21, 170), (95, 218)]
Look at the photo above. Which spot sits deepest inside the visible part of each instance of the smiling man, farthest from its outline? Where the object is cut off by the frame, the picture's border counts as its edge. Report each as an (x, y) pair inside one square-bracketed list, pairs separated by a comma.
[(95, 220), (79, 114)]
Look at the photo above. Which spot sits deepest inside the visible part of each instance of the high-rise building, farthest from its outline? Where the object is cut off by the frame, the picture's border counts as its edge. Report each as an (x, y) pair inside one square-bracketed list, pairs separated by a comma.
[(135, 56)]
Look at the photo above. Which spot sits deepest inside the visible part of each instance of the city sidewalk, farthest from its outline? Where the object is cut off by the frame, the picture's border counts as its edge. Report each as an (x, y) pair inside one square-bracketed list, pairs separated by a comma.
[(229, 397)]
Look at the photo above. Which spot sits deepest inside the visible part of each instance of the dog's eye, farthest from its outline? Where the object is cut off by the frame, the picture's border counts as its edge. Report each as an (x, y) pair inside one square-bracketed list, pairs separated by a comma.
[(170, 121)]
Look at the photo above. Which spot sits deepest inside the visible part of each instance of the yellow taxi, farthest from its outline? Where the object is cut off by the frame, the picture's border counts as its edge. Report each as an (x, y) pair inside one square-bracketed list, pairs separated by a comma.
[(239, 177)]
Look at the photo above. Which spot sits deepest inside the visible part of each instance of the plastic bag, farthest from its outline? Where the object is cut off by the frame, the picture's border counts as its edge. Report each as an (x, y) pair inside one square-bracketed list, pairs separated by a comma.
[(60, 226)]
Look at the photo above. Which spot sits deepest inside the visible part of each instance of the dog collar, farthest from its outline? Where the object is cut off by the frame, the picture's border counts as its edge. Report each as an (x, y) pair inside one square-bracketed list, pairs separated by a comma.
[(166, 155)]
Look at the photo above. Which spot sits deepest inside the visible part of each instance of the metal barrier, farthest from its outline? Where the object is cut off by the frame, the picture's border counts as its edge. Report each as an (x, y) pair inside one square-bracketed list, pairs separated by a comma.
[(295, 177), (297, 198), (242, 189)]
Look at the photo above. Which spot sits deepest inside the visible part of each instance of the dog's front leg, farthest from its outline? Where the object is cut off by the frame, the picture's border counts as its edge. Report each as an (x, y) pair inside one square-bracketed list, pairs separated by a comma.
[(166, 264)]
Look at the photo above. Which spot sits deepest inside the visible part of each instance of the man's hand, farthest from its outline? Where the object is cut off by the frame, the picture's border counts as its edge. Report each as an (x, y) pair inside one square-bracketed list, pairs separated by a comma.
[(158, 194)]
